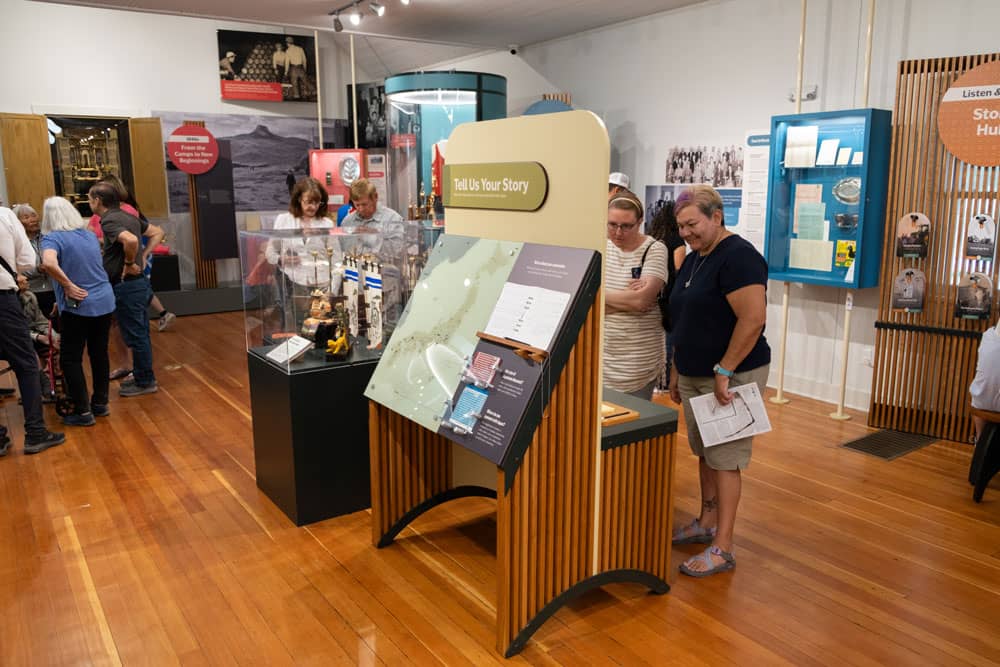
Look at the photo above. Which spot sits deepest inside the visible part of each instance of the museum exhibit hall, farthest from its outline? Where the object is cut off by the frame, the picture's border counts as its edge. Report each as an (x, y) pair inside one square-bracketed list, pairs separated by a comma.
[(469, 333)]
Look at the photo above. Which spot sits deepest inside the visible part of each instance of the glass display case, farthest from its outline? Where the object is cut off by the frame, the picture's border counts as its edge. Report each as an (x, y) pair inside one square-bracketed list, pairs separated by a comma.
[(827, 187), (321, 297), (423, 109)]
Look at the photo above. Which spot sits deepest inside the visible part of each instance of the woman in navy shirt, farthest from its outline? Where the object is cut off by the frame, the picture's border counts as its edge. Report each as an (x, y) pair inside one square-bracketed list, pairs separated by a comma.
[(718, 308), (71, 255)]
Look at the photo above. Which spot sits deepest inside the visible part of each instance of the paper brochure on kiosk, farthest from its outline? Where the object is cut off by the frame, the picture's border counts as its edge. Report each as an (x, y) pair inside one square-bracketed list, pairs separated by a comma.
[(471, 348), (743, 417)]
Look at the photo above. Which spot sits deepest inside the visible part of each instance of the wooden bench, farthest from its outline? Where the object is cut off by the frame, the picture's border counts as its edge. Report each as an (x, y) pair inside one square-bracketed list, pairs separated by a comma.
[(986, 457)]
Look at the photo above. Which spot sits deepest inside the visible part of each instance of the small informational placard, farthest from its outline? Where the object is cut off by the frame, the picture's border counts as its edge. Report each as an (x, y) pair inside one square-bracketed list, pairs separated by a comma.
[(192, 149), (810, 255), (528, 315), (975, 297), (913, 233), (981, 238), (800, 146), (506, 186), (743, 417), (908, 291), (843, 156), (827, 152), (290, 350), (753, 208)]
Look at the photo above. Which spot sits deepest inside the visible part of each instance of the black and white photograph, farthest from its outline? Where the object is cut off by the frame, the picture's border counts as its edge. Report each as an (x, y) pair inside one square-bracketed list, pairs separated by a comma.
[(718, 166), (268, 153), (267, 67), (975, 297), (658, 196), (913, 235), (981, 239), (908, 291), (371, 115)]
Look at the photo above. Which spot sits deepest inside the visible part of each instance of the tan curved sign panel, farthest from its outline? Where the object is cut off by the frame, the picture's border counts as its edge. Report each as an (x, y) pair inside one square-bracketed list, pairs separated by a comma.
[(506, 186), (969, 116)]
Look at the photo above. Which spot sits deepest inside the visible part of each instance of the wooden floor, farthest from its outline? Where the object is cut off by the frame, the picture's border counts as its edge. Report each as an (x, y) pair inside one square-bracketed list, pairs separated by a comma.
[(144, 540)]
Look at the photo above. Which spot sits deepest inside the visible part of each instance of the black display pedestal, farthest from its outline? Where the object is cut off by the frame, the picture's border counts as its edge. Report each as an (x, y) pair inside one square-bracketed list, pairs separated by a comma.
[(310, 433)]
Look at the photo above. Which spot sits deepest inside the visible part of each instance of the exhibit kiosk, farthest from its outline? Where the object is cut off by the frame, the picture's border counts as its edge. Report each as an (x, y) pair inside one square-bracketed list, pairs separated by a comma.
[(319, 307), (491, 384)]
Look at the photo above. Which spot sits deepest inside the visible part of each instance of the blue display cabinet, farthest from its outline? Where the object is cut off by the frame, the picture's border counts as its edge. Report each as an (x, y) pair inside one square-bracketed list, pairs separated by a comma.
[(424, 107), (826, 201)]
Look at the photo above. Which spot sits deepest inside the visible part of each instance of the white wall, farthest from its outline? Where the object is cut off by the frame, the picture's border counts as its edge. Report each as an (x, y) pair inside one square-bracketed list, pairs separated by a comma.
[(706, 74), (80, 60)]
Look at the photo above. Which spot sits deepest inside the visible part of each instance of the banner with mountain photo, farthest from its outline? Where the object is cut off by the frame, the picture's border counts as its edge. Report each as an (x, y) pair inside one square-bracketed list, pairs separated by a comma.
[(269, 155), (266, 67)]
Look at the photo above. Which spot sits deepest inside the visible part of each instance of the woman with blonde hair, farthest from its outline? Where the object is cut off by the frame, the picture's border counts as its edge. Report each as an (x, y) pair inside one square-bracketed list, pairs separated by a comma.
[(718, 309), (71, 255), (635, 270)]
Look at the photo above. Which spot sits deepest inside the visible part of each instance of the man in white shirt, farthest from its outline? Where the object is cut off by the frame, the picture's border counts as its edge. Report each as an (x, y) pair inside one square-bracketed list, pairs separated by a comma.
[(15, 337), (279, 61), (296, 65)]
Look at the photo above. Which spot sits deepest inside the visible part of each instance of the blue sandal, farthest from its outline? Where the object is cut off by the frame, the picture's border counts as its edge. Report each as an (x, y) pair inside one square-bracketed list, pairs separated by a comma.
[(728, 563), (693, 533)]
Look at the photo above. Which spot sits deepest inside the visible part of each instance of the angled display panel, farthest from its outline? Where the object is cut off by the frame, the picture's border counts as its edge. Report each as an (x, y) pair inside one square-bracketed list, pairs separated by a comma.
[(484, 335)]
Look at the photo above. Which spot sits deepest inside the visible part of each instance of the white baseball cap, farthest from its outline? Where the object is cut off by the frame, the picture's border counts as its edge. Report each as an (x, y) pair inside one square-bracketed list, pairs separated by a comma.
[(618, 178)]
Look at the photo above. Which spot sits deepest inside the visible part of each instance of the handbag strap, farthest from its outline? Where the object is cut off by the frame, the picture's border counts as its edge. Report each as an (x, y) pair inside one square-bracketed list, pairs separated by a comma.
[(13, 273)]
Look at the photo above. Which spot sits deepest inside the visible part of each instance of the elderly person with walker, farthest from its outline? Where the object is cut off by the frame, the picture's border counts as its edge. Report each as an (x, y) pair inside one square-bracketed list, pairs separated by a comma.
[(718, 308)]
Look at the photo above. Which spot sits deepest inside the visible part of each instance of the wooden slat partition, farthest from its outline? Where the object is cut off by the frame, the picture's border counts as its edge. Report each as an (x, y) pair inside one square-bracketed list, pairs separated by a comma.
[(637, 506), (204, 270), (409, 465), (545, 525), (924, 362)]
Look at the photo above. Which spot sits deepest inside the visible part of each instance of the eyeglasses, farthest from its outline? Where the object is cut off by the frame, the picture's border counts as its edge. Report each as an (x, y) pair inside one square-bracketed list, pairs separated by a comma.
[(626, 227)]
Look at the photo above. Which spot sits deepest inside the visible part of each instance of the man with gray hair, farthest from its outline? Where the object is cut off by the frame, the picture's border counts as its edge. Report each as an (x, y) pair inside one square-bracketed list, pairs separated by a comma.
[(15, 338)]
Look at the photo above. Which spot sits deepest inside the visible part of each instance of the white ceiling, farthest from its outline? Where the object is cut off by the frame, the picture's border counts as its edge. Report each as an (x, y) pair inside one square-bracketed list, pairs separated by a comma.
[(435, 30)]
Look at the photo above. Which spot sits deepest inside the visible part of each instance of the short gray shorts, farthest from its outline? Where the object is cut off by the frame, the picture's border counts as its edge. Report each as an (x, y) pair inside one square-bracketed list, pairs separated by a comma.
[(733, 455)]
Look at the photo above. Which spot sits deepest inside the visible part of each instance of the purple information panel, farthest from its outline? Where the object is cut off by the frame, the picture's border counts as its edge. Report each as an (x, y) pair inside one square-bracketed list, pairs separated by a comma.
[(542, 300)]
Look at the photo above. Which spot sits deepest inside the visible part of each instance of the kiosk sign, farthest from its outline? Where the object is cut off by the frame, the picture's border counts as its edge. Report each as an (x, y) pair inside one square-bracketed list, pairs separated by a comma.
[(193, 149), (507, 186), (969, 117)]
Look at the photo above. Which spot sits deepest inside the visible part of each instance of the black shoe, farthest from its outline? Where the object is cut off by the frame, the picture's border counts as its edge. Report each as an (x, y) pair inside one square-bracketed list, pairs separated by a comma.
[(4, 445), (100, 410), (50, 439), (79, 419)]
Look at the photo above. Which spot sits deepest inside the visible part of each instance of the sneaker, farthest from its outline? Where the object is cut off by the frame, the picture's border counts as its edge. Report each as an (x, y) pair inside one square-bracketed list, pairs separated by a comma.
[(130, 388), (100, 410), (50, 439), (82, 419), (165, 321), (120, 373), (4, 444)]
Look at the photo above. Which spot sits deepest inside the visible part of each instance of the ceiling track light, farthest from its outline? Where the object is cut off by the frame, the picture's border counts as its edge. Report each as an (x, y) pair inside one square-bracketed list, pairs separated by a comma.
[(405, 2), (377, 9), (337, 25), (355, 15)]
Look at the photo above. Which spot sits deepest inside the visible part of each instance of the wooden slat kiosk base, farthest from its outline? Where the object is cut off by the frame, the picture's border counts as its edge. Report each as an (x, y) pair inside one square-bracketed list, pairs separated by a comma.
[(557, 536)]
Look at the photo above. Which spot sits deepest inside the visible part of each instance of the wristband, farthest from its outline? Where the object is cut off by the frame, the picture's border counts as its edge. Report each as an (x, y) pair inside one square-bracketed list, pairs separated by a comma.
[(719, 370)]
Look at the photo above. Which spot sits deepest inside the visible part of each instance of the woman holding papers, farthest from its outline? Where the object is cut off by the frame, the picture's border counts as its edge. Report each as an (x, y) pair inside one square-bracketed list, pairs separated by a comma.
[(635, 270), (718, 308)]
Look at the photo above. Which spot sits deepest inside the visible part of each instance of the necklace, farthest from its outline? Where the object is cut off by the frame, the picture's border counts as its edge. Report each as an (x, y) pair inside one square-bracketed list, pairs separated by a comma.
[(697, 266)]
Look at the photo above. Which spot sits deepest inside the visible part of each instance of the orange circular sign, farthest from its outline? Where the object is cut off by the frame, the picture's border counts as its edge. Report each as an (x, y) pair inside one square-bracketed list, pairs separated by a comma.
[(969, 116)]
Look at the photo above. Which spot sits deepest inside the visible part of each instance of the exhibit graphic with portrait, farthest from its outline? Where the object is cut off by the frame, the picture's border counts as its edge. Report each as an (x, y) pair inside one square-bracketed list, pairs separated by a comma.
[(981, 239), (266, 67), (913, 235), (908, 291), (371, 115), (975, 297), (658, 196)]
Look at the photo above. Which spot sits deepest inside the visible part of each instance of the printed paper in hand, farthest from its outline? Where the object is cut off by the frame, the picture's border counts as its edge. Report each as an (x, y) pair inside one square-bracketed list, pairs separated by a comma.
[(743, 417)]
